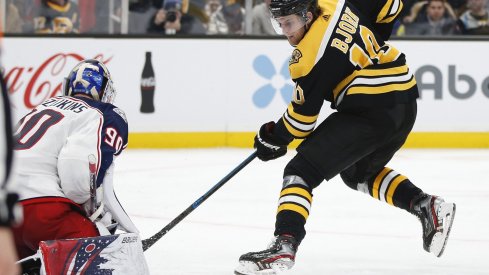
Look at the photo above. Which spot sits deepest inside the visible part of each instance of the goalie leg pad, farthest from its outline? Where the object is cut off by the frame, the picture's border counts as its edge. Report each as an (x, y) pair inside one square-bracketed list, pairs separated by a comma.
[(114, 254)]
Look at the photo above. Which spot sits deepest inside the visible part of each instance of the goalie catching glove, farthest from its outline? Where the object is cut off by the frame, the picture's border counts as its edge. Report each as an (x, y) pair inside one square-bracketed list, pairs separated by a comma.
[(269, 146)]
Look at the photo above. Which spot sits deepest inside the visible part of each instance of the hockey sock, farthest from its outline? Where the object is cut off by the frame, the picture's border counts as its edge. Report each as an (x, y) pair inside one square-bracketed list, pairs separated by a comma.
[(393, 188), (294, 207)]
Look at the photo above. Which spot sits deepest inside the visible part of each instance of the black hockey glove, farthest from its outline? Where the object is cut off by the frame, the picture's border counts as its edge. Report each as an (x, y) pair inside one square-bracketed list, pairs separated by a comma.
[(10, 210), (267, 145)]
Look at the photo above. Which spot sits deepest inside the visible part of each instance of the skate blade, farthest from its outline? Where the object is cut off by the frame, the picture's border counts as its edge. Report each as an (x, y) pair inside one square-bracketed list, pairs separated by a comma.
[(440, 239), (249, 268), (257, 272), (261, 272)]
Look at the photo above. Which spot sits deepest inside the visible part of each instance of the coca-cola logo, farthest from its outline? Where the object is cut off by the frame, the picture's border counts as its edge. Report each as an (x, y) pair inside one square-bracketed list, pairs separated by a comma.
[(40, 82)]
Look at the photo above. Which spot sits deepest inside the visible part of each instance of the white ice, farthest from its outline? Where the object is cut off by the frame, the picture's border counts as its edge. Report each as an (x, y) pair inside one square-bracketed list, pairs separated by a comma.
[(348, 232)]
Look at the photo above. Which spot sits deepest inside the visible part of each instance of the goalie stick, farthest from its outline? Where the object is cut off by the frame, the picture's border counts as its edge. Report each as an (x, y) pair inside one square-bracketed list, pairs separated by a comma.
[(92, 167), (147, 243)]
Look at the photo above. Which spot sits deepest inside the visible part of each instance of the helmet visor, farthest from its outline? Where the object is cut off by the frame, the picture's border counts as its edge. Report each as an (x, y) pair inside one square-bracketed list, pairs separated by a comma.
[(288, 24)]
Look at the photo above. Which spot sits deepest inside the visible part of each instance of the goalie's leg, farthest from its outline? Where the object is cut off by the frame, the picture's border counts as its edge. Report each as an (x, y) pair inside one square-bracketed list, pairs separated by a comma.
[(50, 219)]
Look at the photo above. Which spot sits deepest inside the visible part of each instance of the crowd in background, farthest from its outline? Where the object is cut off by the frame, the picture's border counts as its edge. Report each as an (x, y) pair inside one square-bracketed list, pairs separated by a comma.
[(219, 17), (444, 17)]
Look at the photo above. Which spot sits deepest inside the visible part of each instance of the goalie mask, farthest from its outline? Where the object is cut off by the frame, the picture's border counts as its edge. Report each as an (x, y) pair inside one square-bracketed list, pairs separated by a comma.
[(92, 78), (288, 16)]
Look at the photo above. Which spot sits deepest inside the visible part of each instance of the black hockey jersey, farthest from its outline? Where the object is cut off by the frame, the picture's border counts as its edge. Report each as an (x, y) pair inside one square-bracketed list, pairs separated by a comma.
[(343, 60), (53, 18), (382, 14)]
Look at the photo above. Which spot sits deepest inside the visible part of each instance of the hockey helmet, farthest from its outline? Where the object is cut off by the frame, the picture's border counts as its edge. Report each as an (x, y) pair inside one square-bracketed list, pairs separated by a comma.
[(90, 77), (290, 15)]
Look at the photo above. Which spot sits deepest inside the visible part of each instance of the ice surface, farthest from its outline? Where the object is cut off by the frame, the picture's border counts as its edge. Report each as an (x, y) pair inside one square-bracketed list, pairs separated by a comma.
[(348, 232)]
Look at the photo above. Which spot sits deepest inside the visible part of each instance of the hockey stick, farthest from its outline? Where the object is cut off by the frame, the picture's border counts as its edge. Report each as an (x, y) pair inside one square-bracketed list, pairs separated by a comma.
[(152, 240), (92, 167)]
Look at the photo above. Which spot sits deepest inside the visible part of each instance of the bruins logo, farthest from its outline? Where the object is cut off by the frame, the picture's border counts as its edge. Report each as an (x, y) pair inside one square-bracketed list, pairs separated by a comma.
[(296, 55)]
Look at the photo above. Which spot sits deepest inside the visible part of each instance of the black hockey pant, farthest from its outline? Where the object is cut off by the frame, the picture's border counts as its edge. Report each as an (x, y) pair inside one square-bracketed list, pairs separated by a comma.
[(356, 145)]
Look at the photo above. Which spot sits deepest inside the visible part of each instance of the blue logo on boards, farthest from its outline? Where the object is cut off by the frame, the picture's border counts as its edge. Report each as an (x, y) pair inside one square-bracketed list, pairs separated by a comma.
[(276, 81)]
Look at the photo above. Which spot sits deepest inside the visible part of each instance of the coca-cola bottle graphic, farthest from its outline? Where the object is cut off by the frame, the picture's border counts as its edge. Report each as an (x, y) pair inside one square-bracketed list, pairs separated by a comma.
[(147, 86)]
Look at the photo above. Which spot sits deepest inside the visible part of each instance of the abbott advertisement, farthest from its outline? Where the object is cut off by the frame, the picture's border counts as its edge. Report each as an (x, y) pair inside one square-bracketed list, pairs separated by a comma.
[(217, 92)]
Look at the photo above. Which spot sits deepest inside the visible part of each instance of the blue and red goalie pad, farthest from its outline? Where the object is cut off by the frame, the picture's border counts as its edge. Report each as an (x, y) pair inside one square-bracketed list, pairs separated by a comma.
[(105, 255)]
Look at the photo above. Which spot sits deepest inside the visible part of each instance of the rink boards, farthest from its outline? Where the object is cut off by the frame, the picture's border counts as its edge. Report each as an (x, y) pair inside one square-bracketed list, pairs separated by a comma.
[(217, 92)]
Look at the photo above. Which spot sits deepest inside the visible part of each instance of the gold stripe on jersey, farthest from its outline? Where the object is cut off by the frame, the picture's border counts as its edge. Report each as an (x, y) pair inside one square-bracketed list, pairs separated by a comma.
[(384, 88), (390, 11), (295, 199), (372, 81), (295, 132), (369, 73), (393, 187), (301, 118), (313, 45), (378, 180), (298, 125)]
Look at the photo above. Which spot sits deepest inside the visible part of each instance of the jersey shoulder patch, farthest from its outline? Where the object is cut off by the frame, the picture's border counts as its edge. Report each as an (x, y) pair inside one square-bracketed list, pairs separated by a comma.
[(296, 55), (120, 113)]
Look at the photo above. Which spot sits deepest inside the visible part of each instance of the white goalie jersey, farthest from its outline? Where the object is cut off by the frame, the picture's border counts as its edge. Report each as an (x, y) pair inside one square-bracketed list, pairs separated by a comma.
[(53, 144)]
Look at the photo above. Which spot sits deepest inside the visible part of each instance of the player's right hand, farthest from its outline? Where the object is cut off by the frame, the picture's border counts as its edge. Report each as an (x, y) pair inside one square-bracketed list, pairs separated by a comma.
[(267, 145)]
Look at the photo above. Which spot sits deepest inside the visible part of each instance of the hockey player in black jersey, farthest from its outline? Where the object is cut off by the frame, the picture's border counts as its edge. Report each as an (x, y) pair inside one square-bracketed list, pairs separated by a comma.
[(340, 56)]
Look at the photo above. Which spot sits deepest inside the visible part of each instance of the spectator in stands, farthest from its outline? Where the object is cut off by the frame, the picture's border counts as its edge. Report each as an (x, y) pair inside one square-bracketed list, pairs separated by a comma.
[(217, 22), (234, 14), (458, 6), (433, 17), (56, 16), (13, 18), (172, 18), (475, 20), (261, 23), (212, 6)]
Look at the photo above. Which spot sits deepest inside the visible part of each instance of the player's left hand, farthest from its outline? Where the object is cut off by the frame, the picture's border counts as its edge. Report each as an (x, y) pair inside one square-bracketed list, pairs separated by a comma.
[(267, 145)]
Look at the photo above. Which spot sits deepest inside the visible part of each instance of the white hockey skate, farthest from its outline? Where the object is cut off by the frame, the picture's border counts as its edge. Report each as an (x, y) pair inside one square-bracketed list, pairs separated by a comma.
[(279, 257), (436, 217)]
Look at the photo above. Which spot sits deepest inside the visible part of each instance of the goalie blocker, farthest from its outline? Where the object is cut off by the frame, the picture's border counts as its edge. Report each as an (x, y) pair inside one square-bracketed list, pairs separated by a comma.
[(113, 254)]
